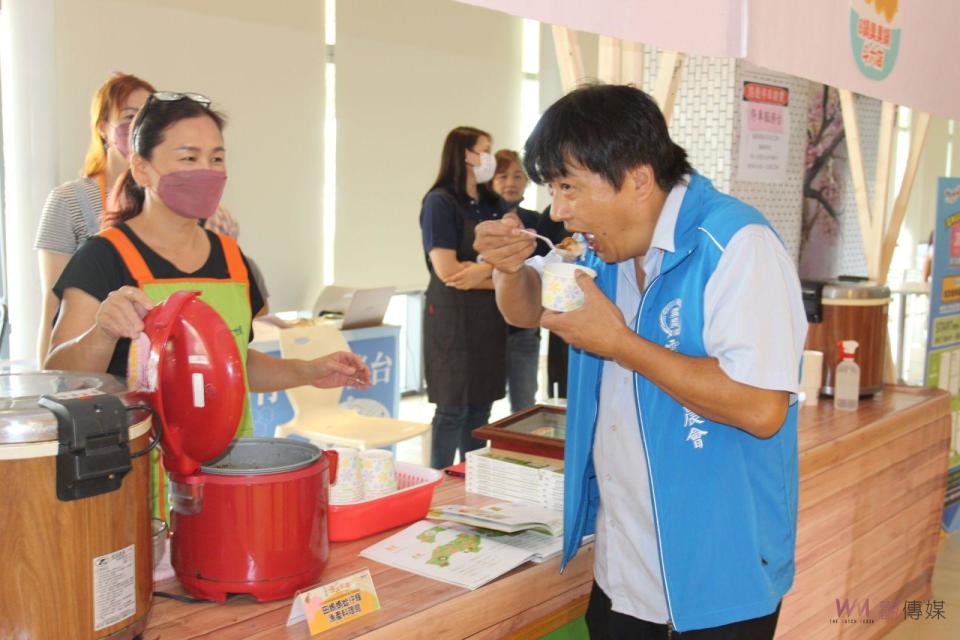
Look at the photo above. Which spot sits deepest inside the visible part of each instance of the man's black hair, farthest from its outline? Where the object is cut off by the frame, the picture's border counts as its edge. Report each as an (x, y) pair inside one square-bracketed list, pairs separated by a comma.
[(608, 130)]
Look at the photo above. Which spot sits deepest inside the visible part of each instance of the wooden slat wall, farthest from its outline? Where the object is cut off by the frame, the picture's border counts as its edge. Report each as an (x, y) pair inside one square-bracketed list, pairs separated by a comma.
[(869, 519)]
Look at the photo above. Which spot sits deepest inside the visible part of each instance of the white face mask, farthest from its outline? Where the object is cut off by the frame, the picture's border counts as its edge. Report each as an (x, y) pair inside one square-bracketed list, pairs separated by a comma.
[(484, 171)]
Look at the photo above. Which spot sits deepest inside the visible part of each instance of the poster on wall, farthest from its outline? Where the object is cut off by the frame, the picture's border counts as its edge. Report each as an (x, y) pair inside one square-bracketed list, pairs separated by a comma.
[(943, 342), (764, 133)]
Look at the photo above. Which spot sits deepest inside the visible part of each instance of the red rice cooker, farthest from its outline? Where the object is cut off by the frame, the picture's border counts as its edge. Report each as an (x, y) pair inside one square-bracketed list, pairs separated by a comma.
[(248, 515)]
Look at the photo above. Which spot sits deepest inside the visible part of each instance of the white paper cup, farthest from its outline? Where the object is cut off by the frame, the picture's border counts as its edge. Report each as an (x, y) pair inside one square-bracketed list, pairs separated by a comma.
[(379, 473), (560, 291), (811, 376), (349, 484)]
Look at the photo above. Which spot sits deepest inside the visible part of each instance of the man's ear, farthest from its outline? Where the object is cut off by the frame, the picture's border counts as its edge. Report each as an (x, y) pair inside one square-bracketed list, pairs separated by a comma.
[(138, 169), (642, 180)]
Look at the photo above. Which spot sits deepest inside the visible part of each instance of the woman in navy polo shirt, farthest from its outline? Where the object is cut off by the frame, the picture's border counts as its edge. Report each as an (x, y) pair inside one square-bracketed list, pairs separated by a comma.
[(464, 335)]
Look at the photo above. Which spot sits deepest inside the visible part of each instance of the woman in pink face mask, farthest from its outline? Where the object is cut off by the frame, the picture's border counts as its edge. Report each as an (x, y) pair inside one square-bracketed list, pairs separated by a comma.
[(153, 247), (73, 210)]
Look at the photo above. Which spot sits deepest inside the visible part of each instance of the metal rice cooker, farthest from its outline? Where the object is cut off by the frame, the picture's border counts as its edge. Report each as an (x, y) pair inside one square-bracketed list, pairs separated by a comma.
[(74, 507), (249, 515), (849, 308)]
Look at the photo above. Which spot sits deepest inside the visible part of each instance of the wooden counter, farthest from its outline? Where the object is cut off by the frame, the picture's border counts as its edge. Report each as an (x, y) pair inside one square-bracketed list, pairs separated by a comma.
[(872, 484), (527, 602)]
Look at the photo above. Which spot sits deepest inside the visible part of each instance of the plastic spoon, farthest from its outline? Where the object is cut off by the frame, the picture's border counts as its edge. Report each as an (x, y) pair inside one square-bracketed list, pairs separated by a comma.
[(549, 242), (566, 254)]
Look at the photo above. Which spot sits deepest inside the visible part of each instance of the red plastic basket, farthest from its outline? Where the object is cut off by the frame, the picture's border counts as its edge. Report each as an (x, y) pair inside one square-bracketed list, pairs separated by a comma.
[(408, 504)]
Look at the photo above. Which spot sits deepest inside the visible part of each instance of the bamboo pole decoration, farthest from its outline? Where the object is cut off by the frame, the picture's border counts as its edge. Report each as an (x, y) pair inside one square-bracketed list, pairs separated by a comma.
[(609, 62), (852, 131), (668, 81), (631, 71), (917, 140), (567, 46), (881, 182)]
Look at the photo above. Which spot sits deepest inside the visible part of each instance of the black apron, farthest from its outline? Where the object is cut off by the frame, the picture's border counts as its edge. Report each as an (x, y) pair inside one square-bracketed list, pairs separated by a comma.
[(464, 336)]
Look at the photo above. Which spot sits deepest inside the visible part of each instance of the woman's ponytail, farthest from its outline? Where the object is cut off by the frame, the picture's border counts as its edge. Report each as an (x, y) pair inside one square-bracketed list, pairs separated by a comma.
[(125, 202)]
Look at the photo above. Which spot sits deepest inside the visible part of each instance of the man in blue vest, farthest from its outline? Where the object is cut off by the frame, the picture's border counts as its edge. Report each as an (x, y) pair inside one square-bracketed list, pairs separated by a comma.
[(681, 449)]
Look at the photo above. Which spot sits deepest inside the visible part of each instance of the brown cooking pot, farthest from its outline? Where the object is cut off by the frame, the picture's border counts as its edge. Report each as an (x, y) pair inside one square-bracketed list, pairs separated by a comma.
[(74, 508), (848, 309)]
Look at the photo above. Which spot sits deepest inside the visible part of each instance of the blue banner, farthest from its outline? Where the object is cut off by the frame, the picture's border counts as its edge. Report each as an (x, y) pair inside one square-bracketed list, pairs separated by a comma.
[(943, 330)]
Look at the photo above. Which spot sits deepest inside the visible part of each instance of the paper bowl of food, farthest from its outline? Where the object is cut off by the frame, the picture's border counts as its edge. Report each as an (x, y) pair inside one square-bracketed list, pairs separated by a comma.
[(560, 291)]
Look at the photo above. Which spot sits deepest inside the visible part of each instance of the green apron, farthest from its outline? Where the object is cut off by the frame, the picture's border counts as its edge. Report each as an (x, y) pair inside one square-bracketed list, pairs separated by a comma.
[(230, 298)]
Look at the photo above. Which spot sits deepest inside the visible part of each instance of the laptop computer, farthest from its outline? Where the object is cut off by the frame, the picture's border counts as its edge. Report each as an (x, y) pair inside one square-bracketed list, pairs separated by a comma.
[(367, 307), (333, 299), (357, 307)]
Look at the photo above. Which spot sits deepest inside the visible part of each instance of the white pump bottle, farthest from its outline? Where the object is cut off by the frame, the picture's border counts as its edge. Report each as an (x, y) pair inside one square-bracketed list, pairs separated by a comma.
[(846, 382)]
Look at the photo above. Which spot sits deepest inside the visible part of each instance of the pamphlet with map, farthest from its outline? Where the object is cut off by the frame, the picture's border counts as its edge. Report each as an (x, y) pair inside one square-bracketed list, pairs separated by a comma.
[(509, 517), (459, 554)]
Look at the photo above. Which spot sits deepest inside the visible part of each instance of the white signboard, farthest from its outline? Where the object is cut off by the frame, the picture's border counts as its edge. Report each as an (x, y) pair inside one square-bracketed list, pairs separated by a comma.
[(764, 133)]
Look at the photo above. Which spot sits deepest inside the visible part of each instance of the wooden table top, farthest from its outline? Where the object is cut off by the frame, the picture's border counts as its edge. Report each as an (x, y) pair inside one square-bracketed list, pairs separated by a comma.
[(417, 607), (411, 606), (826, 434)]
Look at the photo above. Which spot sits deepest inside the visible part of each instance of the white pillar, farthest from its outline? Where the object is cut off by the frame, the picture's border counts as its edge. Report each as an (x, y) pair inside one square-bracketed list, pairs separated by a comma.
[(30, 155)]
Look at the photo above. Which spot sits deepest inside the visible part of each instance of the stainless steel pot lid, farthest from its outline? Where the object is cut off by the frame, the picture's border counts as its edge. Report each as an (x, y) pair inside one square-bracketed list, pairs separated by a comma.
[(854, 290), (261, 456), (23, 420)]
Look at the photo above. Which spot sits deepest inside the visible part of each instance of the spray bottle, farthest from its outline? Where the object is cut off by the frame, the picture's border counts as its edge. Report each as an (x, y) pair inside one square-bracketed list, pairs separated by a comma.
[(846, 382)]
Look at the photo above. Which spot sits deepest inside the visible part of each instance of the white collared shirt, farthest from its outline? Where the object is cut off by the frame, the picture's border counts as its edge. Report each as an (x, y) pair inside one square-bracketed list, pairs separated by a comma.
[(755, 326)]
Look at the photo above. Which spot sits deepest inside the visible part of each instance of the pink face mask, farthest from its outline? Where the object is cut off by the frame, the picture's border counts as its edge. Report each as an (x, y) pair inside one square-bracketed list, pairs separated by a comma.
[(122, 135), (192, 194)]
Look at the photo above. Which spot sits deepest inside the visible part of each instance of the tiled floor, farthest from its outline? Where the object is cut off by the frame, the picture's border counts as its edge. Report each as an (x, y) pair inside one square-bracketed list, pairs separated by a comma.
[(417, 409)]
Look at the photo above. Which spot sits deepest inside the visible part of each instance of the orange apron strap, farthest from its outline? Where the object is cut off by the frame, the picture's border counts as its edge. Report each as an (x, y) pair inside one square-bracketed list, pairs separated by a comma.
[(129, 254), (235, 265)]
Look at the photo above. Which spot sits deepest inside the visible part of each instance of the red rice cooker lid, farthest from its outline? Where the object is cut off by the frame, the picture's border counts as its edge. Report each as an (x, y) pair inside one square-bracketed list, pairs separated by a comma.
[(187, 366)]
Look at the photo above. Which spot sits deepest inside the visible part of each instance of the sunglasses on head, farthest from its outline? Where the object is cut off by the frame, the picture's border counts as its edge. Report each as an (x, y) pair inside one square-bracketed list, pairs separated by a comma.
[(171, 96), (168, 96)]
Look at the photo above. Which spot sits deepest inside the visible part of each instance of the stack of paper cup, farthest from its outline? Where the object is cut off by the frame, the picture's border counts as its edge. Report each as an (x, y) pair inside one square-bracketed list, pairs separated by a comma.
[(811, 376), (349, 485), (379, 473)]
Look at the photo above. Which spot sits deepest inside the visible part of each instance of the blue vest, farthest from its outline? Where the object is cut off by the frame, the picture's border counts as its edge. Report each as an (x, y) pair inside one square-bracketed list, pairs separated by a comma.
[(724, 501)]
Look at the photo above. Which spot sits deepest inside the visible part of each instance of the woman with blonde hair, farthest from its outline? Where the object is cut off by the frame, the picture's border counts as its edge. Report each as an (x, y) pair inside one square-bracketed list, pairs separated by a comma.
[(73, 211)]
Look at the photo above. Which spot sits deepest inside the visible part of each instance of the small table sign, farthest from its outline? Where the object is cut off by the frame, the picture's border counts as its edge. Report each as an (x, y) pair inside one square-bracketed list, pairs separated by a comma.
[(333, 604)]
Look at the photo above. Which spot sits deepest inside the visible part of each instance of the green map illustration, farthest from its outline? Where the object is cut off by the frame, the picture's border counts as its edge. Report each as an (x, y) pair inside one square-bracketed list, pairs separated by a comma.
[(462, 543)]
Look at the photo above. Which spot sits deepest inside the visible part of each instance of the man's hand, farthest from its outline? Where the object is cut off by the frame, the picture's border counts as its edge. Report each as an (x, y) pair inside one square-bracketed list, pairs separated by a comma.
[(597, 326), (470, 277), (502, 245)]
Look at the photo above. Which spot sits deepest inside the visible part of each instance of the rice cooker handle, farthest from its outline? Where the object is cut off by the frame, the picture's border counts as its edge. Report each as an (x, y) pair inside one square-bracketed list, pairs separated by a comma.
[(332, 459), (156, 423)]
